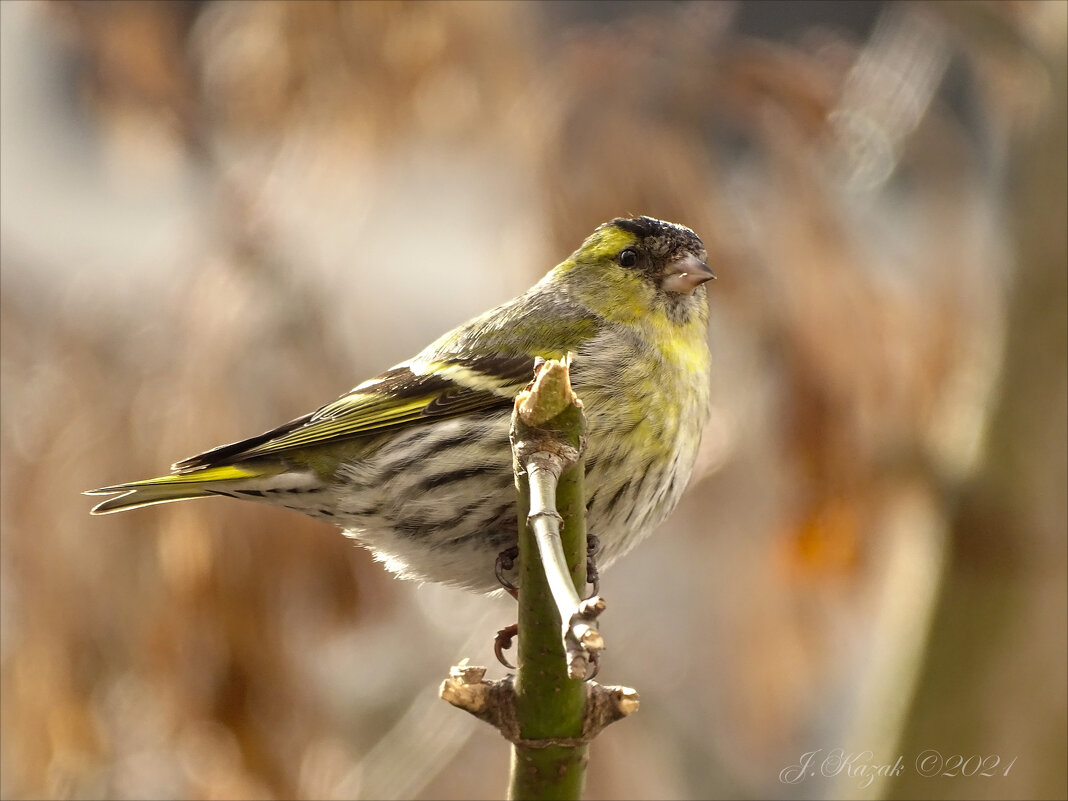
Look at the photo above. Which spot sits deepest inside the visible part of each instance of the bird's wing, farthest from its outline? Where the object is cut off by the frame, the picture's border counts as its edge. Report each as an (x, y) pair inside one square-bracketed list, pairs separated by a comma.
[(415, 391)]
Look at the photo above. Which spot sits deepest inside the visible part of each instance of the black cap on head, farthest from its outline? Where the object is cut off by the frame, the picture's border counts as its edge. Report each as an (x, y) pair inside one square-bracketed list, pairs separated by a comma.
[(664, 238)]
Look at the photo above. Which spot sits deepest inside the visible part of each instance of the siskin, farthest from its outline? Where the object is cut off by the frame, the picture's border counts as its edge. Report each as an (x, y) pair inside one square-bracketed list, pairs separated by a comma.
[(415, 463)]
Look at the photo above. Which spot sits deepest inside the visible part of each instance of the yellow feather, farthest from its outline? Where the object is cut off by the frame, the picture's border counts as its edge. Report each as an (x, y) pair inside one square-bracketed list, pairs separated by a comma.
[(224, 473)]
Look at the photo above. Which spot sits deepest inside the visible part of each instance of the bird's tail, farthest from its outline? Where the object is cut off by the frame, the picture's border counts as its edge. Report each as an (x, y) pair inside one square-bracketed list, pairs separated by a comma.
[(179, 487)]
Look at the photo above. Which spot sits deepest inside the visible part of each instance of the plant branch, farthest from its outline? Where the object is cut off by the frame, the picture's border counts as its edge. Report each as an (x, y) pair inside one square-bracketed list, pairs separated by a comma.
[(548, 711), (548, 437)]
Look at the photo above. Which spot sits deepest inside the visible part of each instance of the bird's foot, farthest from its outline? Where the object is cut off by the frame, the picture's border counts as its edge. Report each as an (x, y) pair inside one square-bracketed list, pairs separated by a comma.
[(505, 562), (593, 576), (503, 642)]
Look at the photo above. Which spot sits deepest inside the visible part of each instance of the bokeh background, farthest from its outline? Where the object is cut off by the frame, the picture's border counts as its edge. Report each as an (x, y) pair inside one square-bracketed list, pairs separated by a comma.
[(218, 215)]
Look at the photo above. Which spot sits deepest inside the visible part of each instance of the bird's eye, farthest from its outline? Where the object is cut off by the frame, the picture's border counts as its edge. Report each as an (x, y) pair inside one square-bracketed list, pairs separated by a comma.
[(628, 258)]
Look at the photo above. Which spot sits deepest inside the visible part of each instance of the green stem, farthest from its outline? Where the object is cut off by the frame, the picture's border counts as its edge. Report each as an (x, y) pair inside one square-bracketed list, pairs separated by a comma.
[(547, 715), (549, 704)]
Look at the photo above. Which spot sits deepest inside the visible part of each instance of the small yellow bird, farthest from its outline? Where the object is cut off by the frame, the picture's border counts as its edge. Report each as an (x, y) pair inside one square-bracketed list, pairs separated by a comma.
[(415, 463)]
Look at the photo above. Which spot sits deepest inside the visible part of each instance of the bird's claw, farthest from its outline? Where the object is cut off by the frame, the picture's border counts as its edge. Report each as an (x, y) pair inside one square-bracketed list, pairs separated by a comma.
[(593, 576), (503, 642), (505, 562), (595, 664)]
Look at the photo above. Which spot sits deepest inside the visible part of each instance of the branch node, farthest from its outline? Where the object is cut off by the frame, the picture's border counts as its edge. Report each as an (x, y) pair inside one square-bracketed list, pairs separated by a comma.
[(495, 703)]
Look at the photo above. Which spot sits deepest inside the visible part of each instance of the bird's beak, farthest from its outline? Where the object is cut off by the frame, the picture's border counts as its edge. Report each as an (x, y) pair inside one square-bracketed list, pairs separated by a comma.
[(686, 274)]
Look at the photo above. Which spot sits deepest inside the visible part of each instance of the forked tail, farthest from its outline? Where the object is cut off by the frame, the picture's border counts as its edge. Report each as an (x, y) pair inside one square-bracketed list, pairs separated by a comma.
[(164, 489)]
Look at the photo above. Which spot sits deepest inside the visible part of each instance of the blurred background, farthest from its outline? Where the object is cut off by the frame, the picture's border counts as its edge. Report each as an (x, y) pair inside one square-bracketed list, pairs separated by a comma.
[(217, 216)]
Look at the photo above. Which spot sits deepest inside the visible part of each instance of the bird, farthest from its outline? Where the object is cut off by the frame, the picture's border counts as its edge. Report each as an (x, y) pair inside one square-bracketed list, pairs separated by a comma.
[(415, 464)]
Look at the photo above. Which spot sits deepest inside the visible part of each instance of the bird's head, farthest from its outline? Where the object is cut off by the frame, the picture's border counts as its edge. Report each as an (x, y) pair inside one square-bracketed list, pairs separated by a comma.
[(631, 266)]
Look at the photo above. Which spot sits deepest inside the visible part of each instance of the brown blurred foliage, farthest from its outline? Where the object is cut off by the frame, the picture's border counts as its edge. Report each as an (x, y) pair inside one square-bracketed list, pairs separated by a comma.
[(879, 514)]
